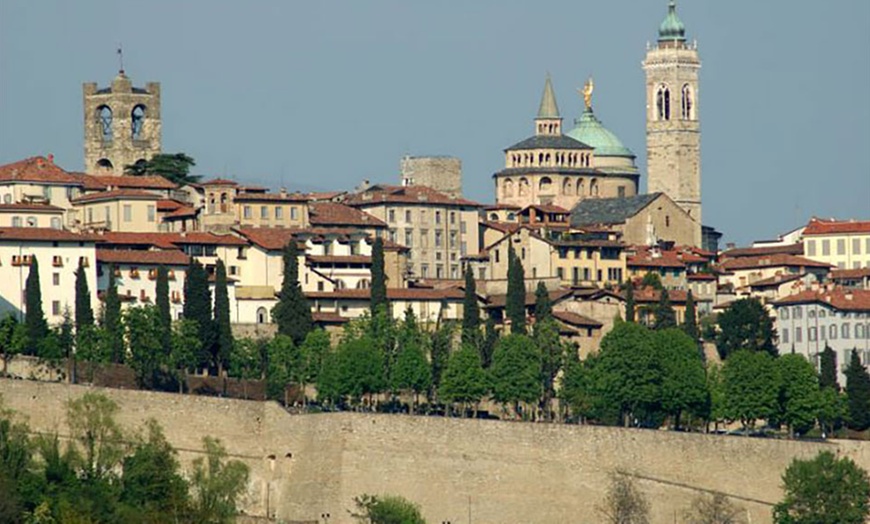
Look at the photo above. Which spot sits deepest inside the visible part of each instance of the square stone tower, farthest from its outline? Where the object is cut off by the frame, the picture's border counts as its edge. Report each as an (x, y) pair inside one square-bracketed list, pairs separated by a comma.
[(442, 173), (673, 129), (122, 125)]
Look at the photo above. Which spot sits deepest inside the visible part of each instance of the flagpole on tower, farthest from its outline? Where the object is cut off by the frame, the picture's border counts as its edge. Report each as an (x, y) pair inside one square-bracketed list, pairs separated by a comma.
[(120, 59)]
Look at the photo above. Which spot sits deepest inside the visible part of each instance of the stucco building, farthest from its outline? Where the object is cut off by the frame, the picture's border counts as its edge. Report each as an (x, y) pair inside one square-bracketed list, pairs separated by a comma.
[(844, 244)]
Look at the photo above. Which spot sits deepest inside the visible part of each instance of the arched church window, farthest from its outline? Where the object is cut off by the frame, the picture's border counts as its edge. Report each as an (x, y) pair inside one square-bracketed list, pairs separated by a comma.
[(137, 119), (566, 186), (523, 188), (262, 315), (545, 185), (580, 187), (105, 165), (593, 187), (104, 118), (663, 103), (364, 283), (687, 102), (508, 188), (224, 203), (493, 217)]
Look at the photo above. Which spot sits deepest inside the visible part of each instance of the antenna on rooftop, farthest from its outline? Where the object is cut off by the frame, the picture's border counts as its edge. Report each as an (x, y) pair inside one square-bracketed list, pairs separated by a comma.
[(120, 59)]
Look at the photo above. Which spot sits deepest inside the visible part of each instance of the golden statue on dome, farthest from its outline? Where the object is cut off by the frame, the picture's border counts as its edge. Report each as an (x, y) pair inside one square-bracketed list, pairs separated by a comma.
[(587, 90)]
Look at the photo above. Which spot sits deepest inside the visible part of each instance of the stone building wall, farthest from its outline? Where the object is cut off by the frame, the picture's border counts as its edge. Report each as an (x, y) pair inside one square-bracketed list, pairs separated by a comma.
[(442, 173), (507, 472)]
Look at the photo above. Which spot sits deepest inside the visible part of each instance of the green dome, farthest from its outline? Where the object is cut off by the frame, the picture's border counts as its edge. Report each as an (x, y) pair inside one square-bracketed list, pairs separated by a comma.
[(672, 28), (590, 131)]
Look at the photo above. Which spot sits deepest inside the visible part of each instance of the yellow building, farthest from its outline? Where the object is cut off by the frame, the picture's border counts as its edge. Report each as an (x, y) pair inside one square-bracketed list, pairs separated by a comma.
[(122, 210), (842, 244)]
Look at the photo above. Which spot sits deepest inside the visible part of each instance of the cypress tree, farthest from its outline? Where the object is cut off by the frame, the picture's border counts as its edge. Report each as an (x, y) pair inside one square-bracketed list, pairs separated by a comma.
[(223, 345), (84, 314), (162, 303), (543, 307), (490, 339), (379, 278), (515, 302), (197, 307), (828, 369), (35, 323), (112, 326), (470, 312), (665, 316), (629, 302), (857, 394), (690, 325), (292, 312)]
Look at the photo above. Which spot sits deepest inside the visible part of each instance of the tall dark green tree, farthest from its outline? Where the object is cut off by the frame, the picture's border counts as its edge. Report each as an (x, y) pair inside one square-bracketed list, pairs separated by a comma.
[(197, 307), (379, 277), (439, 353), (37, 327), (543, 306), (630, 305), (857, 394), (292, 312), (665, 316), (828, 369), (84, 313), (515, 305), (113, 329), (223, 331), (162, 303), (690, 323), (172, 166), (490, 338), (745, 324), (470, 312), (146, 353)]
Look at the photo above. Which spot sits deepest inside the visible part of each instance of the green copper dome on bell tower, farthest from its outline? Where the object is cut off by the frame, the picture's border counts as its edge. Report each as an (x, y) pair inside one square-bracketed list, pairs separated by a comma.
[(672, 28)]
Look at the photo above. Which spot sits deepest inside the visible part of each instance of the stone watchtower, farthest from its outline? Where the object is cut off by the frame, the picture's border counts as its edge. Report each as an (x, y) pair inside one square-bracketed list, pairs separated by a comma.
[(122, 125), (442, 173), (673, 130)]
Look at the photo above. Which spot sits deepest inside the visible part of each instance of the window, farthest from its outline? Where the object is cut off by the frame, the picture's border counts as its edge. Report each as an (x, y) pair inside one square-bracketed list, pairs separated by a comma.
[(246, 212), (391, 235), (128, 212), (620, 191), (663, 103), (152, 213), (294, 213), (811, 334), (686, 103), (438, 239), (811, 248), (798, 336), (859, 331), (55, 307), (409, 238), (856, 246), (55, 223), (422, 216), (798, 312), (845, 331), (560, 273), (31, 222), (832, 332), (785, 336), (462, 227), (104, 119), (452, 218), (279, 212), (496, 256), (391, 214), (826, 248), (16, 221), (841, 246), (264, 212), (454, 272), (424, 270), (262, 315), (823, 313), (438, 217), (408, 216), (424, 238), (453, 240), (55, 279), (439, 271), (235, 271), (57, 261)]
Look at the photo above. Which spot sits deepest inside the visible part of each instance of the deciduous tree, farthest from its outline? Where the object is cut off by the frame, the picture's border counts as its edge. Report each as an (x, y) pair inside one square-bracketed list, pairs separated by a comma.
[(624, 503), (217, 484), (684, 383), (799, 393), (112, 337), (745, 325), (143, 327), (464, 379), (387, 509), (516, 371), (714, 509), (751, 383)]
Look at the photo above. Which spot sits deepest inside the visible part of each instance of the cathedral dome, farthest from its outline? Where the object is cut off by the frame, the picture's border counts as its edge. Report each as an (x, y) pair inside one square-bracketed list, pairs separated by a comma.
[(672, 27), (589, 130)]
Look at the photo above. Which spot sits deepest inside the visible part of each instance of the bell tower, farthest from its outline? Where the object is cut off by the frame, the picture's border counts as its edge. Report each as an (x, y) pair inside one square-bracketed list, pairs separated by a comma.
[(673, 129), (122, 125)]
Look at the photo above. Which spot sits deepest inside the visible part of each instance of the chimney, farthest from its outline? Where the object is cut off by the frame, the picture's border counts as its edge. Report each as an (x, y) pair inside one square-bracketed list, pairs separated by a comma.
[(849, 296), (40, 162), (51, 158)]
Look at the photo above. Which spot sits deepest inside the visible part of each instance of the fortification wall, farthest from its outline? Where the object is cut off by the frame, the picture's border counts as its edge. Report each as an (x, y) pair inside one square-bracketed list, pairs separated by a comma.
[(304, 466)]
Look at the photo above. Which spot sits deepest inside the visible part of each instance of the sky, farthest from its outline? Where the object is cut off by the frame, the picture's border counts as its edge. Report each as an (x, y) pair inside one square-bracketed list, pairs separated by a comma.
[(321, 95)]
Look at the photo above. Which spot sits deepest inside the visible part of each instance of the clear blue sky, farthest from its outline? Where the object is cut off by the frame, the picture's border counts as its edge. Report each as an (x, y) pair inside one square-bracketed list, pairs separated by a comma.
[(325, 94)]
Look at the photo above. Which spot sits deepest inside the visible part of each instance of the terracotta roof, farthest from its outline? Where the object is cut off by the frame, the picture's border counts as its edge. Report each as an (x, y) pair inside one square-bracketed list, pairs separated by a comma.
[(647, 294), (42, 234), (339, 259), (843, 299), (576, 320), (116, 194), (547, 208), (833, 227), (850, 274), (392, 294), (497, 207), (168, 204), (271, 238), (167, 240), (218, 182), (334, 214), (37, 169), (499, 301), (125, 182), (382, 193), (701, 276), (389, 245), (788, 249), (647, 260), (775, 260), (323, 317), (170, 257), (319, 196), (270, 197), (36, 208), (777, 280), (181, 212)]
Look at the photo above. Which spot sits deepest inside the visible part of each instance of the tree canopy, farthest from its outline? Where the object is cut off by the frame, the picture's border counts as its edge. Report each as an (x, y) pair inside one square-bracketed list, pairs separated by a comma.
[(292, 312), (174, 167), (745, 325)]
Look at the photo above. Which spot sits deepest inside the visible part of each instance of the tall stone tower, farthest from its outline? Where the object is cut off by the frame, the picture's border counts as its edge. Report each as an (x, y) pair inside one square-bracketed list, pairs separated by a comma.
[(673, 129), (122, 125)]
